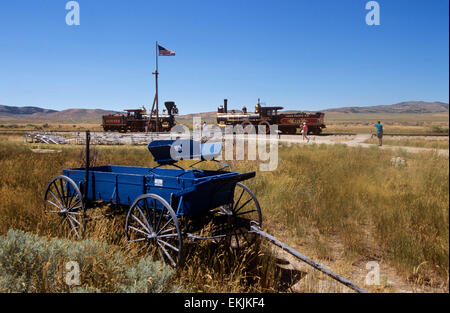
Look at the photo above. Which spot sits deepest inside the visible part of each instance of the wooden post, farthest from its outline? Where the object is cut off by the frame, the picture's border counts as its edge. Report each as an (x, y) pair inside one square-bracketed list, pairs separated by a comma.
[(156, 94), (151, 113), (86, 176)]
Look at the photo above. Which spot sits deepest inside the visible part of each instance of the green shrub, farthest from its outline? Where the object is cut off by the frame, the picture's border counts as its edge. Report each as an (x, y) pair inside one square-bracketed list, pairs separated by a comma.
[(439, 129), (29, 263), (9, 126)]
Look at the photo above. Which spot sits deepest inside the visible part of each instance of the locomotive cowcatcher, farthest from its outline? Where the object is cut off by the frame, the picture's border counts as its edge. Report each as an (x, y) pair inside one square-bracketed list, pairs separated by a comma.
[(166, 119)]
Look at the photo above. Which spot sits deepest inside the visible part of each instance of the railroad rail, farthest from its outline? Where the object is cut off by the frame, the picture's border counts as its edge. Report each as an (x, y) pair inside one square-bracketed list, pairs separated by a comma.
[(415, 135)]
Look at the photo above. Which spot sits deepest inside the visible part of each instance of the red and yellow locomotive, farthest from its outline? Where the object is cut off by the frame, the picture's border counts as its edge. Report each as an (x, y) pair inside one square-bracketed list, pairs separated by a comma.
[(137, 120), (288, 123)]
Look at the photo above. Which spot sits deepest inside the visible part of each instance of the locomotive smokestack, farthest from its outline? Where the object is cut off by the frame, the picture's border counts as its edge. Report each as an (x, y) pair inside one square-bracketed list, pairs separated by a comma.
[(225, 105)]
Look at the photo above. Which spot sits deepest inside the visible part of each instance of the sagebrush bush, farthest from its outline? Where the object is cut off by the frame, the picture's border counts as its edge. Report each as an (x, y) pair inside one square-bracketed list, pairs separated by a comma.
[(29, 263)]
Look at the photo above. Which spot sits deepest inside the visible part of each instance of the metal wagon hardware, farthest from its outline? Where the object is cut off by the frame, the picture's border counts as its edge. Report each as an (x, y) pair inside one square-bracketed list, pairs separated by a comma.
[(166, 206)]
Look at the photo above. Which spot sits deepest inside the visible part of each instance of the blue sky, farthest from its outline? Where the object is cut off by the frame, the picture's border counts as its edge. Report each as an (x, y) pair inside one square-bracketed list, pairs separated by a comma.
[(305, 55)]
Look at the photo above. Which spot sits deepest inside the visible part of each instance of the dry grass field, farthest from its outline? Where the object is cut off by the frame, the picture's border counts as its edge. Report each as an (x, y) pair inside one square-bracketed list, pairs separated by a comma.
[(442, 143), (48, 126), (352, 200), (342, 206), (394, 123)]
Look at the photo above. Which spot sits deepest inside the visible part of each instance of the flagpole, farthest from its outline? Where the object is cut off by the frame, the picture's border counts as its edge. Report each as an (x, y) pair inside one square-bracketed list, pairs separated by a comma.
[(157, 53), (156, 95)]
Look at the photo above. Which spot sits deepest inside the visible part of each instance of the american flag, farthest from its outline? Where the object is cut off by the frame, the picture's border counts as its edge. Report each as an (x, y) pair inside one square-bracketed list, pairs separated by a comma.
[(165, 52)]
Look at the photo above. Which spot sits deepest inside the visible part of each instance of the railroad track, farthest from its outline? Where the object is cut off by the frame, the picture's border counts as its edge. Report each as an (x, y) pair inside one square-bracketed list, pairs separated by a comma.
[(21, 132)]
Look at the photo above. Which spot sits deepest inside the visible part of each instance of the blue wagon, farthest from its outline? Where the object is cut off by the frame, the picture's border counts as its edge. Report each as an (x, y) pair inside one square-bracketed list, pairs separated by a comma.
[(164, 205)]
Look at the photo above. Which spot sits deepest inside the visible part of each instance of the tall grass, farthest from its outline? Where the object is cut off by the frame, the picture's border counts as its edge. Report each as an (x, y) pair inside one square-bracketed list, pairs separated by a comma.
[(336, 197), (338, 202)]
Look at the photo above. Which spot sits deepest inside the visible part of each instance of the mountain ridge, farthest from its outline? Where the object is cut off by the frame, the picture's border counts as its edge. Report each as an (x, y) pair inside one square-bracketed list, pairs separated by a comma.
[(31, 114), (401, 107), (13, 110)]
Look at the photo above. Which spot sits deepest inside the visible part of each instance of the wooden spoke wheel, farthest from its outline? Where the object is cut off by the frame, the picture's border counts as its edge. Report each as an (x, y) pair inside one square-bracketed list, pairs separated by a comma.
[(151, 225), (233, 221), (63, 199)]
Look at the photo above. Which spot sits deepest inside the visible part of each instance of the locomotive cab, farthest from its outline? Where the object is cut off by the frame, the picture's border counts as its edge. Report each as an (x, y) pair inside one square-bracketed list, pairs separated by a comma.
[(269, 111), (134, 114)]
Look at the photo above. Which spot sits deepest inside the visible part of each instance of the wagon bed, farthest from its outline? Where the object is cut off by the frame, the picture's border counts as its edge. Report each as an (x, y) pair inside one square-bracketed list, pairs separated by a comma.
[(120, 185)]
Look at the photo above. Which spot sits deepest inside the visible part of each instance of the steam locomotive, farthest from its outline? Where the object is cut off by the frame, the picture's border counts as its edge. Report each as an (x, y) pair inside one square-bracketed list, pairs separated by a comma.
[(137, 120), (288, 123)]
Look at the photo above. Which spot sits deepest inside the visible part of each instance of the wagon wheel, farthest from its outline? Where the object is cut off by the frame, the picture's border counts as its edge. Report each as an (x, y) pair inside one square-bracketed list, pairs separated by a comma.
[(233, 221), (152, 224), (63, 198)]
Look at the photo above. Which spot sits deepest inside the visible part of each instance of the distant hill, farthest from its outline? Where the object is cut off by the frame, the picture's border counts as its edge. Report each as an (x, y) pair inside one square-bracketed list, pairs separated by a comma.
[(35, 114), (402, 107), (9, 110), (79, 115), (202, 115)]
